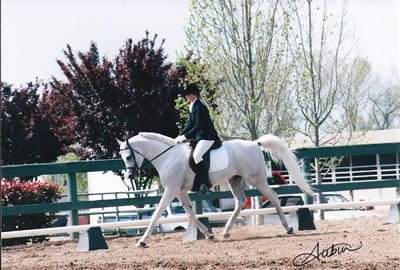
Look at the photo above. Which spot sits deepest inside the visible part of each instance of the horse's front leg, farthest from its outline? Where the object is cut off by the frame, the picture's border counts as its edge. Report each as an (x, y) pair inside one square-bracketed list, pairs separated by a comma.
[(166, 199), (187, 205)]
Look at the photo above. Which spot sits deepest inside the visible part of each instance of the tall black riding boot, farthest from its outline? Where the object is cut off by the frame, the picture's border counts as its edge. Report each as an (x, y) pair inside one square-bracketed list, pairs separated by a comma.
[(203, 173)]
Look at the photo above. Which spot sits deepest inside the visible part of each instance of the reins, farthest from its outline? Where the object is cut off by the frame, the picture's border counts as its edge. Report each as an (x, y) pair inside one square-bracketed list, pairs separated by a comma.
[(161, 153), (133, 151)]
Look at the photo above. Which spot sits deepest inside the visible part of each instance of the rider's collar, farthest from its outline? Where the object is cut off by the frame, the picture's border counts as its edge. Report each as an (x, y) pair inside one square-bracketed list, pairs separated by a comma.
[(191, 104)]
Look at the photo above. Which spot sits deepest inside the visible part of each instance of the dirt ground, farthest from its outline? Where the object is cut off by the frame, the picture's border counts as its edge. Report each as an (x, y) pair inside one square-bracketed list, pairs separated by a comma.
[(363, 243)]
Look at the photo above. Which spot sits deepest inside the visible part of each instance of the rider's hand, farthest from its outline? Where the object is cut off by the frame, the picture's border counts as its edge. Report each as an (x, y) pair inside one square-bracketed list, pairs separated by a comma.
[(180, 139)]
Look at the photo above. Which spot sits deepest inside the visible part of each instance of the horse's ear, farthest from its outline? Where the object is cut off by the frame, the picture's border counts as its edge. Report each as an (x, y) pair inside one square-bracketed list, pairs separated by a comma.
[(118, 141)]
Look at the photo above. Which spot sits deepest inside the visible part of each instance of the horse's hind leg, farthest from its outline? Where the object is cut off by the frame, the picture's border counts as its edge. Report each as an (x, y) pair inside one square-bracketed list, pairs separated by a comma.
[(166, 199), (187, 205), (235, 184), (268, 192)]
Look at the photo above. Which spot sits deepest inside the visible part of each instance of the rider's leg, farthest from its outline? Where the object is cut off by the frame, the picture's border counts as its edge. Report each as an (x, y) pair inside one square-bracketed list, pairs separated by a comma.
[(202, 166), (201, 148), (205, 180)]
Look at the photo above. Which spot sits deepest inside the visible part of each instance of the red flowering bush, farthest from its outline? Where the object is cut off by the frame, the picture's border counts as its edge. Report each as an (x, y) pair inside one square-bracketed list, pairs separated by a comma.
[(22, 193)]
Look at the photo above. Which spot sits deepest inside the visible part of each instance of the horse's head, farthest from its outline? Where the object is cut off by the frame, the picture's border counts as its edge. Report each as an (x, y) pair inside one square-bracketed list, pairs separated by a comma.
[(131, 157)]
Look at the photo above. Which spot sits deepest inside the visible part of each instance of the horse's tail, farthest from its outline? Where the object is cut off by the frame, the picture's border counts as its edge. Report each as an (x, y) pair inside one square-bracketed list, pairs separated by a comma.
[(279, 152)]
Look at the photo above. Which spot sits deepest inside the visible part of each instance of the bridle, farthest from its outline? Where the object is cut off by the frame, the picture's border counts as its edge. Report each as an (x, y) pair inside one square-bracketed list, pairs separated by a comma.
[(133, 151)]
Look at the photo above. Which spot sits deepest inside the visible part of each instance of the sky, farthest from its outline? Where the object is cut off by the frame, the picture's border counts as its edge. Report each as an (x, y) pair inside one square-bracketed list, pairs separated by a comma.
[(377, 24), (34, 33)]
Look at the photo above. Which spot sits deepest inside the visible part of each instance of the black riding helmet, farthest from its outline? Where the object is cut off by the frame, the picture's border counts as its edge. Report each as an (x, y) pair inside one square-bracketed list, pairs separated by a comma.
[(191, 89)]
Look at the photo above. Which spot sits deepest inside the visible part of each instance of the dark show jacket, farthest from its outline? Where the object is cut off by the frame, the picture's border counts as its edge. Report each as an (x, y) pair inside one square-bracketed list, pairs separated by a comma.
[(200, 125)]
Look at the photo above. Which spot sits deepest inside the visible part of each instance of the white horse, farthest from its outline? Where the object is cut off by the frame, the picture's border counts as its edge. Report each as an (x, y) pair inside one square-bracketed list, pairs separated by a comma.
[(246, 162)]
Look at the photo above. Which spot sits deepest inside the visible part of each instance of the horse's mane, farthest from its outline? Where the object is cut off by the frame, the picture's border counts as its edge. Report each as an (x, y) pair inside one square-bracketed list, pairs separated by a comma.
[(158, 137)]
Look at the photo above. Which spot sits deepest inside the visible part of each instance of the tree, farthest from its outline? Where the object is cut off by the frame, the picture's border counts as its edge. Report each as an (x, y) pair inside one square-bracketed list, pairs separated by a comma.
[(90, 99), (242, 45), (26, 133), (103, 100), (326, 81), (385, 99), (148, 83), (328, 77), (54, 106), (355, 99)]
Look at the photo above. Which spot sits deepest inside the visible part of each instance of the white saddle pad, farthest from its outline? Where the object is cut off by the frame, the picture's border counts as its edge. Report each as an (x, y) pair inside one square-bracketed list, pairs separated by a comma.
[(218, 159)]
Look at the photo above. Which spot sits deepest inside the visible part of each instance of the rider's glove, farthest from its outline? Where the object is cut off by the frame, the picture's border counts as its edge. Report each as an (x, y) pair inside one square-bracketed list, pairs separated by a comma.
[(180, 139)]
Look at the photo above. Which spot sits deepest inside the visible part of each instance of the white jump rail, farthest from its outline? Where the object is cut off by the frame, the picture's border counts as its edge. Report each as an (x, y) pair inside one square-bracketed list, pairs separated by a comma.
[(211, 216)]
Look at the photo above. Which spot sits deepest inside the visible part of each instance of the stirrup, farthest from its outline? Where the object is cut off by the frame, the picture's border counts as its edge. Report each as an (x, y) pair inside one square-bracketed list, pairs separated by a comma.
[(204, 190)]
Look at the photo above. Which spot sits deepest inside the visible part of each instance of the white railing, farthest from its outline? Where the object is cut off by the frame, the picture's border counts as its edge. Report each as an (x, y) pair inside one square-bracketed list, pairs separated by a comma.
[(211, 216), (356, 173)]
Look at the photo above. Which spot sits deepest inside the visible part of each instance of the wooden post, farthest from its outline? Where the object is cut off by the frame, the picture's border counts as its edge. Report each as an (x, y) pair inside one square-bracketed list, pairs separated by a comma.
[(73, 197), (198, 207), (307, 169)]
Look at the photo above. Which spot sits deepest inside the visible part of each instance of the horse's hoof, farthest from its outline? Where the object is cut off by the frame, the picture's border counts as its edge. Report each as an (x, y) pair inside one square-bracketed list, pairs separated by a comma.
[(141, 244), (226, 235), (290, 231), (211, 237)]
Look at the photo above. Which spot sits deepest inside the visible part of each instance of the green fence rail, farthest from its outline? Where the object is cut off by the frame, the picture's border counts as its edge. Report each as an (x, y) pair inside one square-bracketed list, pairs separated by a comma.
[(71, 168), (347, 150), (281, 190)]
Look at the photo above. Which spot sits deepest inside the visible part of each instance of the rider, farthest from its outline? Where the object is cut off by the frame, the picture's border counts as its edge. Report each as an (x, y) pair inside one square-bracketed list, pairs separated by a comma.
[(201, 129)]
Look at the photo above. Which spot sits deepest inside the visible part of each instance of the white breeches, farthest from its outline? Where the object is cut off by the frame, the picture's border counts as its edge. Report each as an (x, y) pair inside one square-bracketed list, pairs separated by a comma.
[(201, 148)]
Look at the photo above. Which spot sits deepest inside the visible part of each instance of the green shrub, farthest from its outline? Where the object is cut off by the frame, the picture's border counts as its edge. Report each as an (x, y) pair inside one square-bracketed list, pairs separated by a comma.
[(30, 192)]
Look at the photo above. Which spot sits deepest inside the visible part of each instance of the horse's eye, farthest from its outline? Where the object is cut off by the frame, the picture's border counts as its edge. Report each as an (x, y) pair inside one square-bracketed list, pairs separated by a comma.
[(128, 158)]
